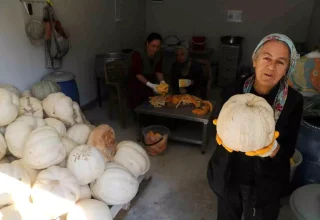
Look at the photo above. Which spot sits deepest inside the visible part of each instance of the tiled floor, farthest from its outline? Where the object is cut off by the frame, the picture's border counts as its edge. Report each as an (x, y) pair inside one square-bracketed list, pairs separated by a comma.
[(178, 189)]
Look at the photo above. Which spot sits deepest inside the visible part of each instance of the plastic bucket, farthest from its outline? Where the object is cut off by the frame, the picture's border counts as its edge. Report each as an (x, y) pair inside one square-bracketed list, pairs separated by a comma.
[(199, 42), (155, 146), (67, 83), (297, 159)]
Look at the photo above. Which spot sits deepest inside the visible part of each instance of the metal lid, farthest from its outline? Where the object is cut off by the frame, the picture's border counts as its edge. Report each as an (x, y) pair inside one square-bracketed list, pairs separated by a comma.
[(59, 76), (109, 57)]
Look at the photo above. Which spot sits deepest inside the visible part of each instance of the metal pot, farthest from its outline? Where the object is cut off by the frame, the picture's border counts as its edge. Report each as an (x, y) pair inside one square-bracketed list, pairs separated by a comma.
[(101, 59)]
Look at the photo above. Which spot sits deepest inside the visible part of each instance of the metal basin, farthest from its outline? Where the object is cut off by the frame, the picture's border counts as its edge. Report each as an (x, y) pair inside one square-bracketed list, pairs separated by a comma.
[(101, 59)]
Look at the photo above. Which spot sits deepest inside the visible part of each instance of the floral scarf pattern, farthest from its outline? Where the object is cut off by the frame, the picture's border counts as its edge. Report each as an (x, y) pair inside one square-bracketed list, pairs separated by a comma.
[(282, 94)]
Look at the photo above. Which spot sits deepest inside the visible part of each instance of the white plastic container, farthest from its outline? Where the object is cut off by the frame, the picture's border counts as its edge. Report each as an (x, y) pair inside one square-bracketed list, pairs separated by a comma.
[(297, 159), (305, 202)]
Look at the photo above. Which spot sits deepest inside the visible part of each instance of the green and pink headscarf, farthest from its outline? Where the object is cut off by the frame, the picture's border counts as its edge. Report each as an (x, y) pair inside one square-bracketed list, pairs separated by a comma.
[(282, 94)]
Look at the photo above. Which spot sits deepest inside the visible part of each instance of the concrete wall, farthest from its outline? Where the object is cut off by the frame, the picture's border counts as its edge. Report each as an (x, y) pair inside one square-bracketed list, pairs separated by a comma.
[(208, 17), (314, 30), (92, 29)]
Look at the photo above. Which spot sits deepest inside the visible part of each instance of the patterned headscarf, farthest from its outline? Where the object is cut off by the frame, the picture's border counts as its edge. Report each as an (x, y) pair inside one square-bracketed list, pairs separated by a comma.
[(282, 94)]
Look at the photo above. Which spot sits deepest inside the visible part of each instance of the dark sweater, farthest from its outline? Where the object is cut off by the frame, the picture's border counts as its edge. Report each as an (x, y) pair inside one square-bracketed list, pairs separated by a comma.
[(137, 92), (269, 177), (195, 74)]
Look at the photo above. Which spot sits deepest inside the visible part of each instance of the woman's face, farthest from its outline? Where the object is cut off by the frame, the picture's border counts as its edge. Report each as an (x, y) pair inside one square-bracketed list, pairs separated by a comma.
[(153, 47), (272, 63), (180, 56)]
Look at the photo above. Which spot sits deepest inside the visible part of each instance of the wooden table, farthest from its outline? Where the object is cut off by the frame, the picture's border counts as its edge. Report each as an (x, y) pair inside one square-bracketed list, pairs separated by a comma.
[(184, 113)]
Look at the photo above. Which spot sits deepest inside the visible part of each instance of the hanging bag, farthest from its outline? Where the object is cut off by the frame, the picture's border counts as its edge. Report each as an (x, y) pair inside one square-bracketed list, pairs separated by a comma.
[(60, 39), (50, 47)]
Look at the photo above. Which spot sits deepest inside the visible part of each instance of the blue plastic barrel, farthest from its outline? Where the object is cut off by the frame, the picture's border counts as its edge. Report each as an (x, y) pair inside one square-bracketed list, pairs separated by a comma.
[(309, 146), (67, 83)]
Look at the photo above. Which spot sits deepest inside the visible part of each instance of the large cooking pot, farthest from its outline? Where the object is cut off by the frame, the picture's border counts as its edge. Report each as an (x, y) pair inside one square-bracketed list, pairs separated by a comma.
[(309, 145), (232, 40)]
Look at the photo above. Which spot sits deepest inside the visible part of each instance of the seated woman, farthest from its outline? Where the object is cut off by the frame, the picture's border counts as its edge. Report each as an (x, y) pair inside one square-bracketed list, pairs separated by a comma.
[(190, 70), (145, 71)]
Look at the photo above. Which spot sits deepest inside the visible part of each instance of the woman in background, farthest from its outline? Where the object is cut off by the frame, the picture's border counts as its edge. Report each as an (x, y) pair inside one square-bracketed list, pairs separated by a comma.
[(188, 70), (145, 71)]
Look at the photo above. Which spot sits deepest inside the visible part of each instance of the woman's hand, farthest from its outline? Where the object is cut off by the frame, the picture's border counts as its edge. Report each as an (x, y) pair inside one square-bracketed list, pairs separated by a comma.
[(153, 87), (268, 150), (274, 153), (184, 83), (218, 139)]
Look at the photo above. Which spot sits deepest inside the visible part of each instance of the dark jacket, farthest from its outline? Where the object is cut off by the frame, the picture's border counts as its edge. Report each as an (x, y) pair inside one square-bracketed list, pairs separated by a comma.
[(269, 177), (195, 74)]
